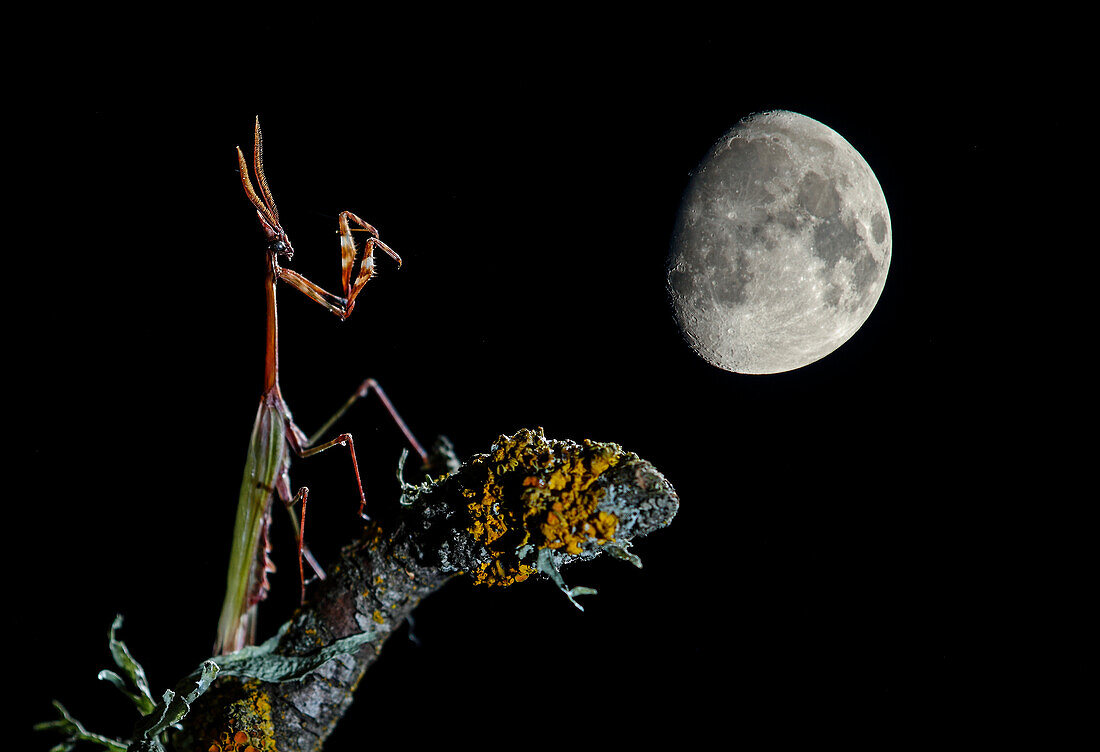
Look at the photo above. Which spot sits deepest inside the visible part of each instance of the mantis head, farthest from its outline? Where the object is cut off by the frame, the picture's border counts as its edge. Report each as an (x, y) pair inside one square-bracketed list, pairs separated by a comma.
[(277, 241), (279, 244)]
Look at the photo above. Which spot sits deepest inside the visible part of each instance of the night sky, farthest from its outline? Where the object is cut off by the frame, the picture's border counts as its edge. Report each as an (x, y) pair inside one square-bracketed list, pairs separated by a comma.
[(841, 566)]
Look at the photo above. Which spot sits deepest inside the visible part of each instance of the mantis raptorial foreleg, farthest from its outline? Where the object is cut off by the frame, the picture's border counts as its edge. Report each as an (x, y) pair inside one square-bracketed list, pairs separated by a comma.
[(349, 256), (349, 252)]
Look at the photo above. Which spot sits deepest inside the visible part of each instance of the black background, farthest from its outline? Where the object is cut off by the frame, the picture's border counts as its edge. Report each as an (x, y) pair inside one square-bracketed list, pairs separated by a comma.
[(860, 553)]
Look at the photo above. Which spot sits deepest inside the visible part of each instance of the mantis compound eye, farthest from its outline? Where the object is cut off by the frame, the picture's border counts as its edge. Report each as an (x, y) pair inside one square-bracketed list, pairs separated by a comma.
[(281, 247)]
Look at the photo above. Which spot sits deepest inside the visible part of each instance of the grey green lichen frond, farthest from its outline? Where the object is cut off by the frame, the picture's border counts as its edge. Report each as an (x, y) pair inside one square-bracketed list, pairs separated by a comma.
[(172, 709), (547, 566), (263, 662), (138, 690), (532, 504), (157, 717), (74, 732), (160, 717), (442, 461)]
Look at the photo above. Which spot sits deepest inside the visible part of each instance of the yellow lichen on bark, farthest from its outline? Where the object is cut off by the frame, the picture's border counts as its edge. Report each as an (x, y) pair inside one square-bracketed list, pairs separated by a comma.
[(530, 491), (247, 723)]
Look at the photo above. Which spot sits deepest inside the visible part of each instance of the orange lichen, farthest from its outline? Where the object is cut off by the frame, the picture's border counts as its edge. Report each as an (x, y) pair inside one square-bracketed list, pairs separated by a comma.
[(494, 572), (533, 492), (248, 725)]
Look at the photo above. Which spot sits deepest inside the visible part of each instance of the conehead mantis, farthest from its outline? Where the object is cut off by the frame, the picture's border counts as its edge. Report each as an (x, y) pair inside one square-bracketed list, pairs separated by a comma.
[(274, 434)]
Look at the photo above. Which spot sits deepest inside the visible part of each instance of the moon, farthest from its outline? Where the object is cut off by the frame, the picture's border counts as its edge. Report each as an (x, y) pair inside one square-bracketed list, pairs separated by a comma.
[(781, 247)]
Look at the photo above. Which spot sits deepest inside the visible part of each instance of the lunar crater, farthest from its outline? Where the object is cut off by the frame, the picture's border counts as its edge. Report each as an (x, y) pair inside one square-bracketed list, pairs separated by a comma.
[(781, 248)]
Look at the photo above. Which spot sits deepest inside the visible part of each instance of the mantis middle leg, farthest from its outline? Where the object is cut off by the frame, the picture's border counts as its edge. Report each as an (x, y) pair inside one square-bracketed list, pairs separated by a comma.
[(307, 447)]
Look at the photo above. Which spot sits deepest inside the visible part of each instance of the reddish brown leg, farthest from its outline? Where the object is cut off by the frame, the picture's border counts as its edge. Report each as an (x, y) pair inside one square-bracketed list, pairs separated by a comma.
[(283, 487), (350, 255), (353, 280), (304, 447), (364, 389), (298, 443), (303, 495), (300, 532)]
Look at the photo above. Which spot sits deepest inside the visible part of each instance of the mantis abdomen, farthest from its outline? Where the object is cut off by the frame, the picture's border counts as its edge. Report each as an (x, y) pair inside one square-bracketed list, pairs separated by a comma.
[(249, 564)]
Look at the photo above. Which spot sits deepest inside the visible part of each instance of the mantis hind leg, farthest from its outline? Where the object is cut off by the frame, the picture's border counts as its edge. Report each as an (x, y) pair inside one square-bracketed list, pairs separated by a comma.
[(368, 386)]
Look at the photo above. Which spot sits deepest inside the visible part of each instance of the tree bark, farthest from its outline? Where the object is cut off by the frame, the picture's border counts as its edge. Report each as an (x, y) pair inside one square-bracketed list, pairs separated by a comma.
[(528, 507)]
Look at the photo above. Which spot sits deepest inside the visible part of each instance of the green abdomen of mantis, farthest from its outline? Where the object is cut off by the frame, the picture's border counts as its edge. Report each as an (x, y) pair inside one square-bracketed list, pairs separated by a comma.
[(247, 583)]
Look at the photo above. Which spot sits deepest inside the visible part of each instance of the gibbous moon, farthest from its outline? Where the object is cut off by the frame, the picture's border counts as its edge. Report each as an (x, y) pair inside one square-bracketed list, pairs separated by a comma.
[(781, 247)]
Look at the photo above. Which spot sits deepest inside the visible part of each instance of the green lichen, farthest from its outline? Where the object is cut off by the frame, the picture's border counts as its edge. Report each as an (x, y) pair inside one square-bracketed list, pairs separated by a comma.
[(158, 718), (246, 724)]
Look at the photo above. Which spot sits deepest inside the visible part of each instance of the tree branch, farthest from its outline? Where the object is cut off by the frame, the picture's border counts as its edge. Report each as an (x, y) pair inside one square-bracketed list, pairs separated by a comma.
[(528, 507)]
